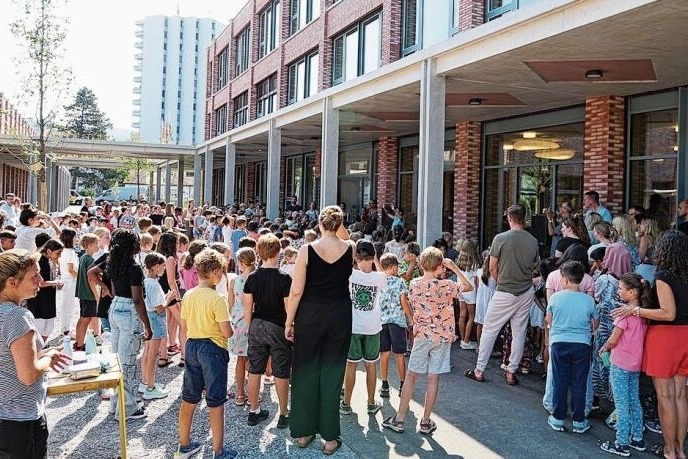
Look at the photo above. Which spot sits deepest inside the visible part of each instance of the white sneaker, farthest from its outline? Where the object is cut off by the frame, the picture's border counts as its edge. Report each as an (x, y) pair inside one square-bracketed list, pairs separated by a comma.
[(99, 340), (471, 346), (155, 393), (143, 387)]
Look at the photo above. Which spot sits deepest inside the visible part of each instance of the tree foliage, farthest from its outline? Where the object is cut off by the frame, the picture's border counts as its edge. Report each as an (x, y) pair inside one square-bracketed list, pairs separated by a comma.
[(98, 179), (84, 119)]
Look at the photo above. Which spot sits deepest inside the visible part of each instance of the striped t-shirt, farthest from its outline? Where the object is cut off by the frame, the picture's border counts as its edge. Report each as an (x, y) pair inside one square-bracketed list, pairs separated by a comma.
[(19, 402)]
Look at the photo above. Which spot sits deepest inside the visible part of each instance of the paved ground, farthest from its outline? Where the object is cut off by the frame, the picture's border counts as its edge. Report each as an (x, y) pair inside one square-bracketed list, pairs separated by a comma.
[(475, 421)]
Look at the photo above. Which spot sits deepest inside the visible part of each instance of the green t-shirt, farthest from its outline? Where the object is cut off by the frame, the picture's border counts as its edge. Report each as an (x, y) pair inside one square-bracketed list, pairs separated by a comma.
[(517, 251), (83, 290)]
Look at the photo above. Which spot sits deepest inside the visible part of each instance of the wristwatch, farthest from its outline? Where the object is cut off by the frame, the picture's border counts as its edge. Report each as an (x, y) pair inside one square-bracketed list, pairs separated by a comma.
[(636, 311)]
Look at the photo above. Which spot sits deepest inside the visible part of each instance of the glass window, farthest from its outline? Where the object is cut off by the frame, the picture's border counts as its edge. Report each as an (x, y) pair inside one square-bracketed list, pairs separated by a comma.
[(408, 180), (411, 15), (267, 96), (351, 50), (269, 36), (356, 51), (302, 12), (455, 13), (242, 46), (222, 68), (303, 78), (371, 50), (239, 180), (261, 181), (496, 8), (221, 120), (293, 179), (652, 170), (241, 109)]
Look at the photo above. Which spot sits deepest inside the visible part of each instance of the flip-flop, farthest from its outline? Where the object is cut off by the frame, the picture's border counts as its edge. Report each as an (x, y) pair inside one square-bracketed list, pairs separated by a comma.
[(470, 374), (305, 444), (240, 401), (510, 382), (162, 363), (329, 452), (657, 450)]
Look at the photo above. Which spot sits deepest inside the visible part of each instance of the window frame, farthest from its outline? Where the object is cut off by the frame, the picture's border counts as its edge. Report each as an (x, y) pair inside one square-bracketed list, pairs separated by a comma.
[(269, 28), (242, 51), (240, 115), (266, 98), (293, 73), (222, 68), (220, 114), (295, 14), (407, 49), (359, 28)]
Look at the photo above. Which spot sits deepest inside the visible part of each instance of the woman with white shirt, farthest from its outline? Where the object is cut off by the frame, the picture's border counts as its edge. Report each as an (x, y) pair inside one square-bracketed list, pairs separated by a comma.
[(31, 222)]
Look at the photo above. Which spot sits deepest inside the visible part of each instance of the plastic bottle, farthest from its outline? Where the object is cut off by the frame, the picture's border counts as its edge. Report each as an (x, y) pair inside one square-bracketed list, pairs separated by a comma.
[(106, 347), (90, 343), (67, 346)]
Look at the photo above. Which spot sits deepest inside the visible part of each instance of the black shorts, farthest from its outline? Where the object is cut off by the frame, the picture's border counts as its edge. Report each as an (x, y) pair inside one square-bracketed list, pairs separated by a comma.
[(393, 338), (88, 308), (104, 306), (266, 339)]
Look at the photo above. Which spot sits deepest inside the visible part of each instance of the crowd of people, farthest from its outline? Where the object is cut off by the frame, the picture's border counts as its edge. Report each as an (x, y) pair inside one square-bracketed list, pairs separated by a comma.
[(300, 300)]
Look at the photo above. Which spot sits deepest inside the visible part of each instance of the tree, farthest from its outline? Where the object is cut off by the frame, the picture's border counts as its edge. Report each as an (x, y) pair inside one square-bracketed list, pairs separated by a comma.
[(137, 166), (84, 119), (41, 35), (98, 179)]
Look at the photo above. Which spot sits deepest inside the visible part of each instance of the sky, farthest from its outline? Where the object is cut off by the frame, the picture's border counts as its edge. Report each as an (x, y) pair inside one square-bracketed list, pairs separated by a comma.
[(100, 46)]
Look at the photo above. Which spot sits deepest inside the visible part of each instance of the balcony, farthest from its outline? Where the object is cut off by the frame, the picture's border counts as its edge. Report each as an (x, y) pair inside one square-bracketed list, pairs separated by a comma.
[(138, 67), (136, 113), (136, 102), (138, 45), (137, 79), (137, 89), (136, 125), (139, 34), (138, 56)]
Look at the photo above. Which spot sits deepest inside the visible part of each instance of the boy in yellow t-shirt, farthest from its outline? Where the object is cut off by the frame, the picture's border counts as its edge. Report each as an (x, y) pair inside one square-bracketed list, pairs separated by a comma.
[(205, 317)]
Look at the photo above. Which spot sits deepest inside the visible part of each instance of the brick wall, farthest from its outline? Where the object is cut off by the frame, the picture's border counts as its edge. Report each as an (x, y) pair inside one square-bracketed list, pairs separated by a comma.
[(471, 14), (249, 184), (391, 30), (603, 169), (467, 180), (387, 163), (14, 180)]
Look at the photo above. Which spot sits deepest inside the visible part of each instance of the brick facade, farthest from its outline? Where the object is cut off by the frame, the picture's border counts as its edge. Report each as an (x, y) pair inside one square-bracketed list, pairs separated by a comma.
[(250, 180), (387, 164), (604, 160), (471, 14), (467, 180)]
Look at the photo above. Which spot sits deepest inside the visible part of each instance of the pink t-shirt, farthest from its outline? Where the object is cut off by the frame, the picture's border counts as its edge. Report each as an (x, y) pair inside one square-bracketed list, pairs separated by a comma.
[(433, 309), (189, 277), (587, 285), (628, 352)]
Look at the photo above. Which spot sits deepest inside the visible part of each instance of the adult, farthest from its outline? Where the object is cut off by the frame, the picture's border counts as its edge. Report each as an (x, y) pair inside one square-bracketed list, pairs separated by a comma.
[(31, 223), (657, 210), (512, 256), (23, 361), (8, 207), (554, 223), (319, 322), (605, 234), (591, 203), (683, 216), (648, 232), (573, 232), (626, 235), (666, 342), (128, 316), (293, 205)]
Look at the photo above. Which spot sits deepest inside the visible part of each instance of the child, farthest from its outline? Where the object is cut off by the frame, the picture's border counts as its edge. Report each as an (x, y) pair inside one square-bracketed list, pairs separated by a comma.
[(432, 301), (626, 345), (42, 306), (238, 233), (223, 287), (365, 286), (187, 272), (238, 343), (396, 245), (155, 301), (69, 262), (289, 260), (486, 287), (146, 242), (205, 317), (88, 308), (408, 270), (395, 314), (468, 262), (265, 294), (572, 317)]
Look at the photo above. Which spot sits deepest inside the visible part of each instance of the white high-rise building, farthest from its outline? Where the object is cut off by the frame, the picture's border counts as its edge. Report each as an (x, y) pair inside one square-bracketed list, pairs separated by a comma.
[(169, 85)]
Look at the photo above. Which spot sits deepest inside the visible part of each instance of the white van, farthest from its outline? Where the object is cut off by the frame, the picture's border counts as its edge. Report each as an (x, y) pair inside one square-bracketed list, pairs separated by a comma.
[(122, 193)]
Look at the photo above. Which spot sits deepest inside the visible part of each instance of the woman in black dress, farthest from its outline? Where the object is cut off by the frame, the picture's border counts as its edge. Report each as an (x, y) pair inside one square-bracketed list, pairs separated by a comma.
[(319, 323)]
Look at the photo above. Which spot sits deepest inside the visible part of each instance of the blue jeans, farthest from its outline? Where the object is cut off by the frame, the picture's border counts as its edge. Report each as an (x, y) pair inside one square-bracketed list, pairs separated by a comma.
[(126, 342), (570, 368), (625, 386), (548, 398)]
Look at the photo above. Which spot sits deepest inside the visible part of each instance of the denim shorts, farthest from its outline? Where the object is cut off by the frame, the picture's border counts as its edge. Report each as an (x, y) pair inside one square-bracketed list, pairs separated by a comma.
[(158, 324), (393, 338), (430, 357), (205, 368), (364, 347)]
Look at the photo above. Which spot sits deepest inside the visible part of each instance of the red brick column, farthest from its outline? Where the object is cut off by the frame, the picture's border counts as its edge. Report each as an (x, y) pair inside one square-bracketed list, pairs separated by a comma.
[(387, 163), (471, 14), (391, 31), (603, 166), (249, 183), (467, 180)]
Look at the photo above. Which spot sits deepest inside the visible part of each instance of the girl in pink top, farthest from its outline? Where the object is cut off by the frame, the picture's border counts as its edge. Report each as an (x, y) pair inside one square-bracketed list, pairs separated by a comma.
[(626, 345), (188, 274)]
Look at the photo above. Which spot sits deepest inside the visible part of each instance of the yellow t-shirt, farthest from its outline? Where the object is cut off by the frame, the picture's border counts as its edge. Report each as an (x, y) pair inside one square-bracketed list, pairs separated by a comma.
[(203, 309)]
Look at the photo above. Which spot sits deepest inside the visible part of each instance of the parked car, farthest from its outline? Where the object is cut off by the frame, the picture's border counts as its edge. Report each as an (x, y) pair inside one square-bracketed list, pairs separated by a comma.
[(75, 199), (122, 193)]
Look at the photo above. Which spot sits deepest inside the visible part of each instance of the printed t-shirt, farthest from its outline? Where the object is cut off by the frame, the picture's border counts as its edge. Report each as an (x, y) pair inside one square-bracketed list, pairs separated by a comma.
[(628, 352), (365, 289), (433, 309), (203, 309), (391, 311), (571, 316)]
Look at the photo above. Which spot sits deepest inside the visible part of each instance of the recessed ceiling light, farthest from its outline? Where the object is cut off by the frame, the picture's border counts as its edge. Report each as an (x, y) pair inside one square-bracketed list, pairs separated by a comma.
[(559, 154), (594, 74), (529, 135), (475, 101)]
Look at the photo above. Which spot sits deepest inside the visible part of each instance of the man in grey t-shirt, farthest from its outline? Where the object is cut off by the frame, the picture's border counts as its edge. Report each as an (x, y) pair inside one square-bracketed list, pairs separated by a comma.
[(512, 257)]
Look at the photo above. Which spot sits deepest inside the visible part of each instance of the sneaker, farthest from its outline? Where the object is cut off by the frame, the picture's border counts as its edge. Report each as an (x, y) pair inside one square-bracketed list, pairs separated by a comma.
[(344, 408), (255, 418), (555, 424), (549, 409), (581, 427), (539, 359), (99, 340), (269, 380), (615, 448), (107, 394), (504, 366), (393, 424), (653, 426), (472, 346), (427, 428), (227, 453), (155, 393), (184, 452), (138, 414), (638, 445), (144, 387), (374, 407), (524, 370), (283, 421), (384, 390)]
